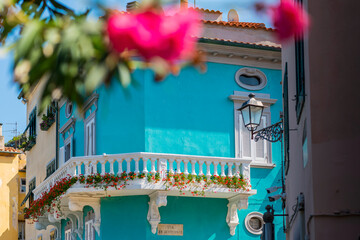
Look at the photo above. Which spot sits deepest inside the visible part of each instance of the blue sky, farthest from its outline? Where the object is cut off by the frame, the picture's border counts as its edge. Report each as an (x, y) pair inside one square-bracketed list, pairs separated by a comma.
[(13, 110)]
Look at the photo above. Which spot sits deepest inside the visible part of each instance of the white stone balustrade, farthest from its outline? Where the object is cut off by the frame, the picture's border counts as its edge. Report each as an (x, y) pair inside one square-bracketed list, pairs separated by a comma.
[(141, 162)]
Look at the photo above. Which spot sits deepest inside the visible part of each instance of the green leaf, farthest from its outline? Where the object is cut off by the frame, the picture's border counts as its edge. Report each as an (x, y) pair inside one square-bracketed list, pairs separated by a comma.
[(24, 45), (124, 75), (95, 77)]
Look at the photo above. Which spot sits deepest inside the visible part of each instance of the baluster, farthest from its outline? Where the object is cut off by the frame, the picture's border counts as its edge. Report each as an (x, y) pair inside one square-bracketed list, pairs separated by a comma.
[(186, 172), (245, 169), (119, 166), (86, 164), (193, 172), (145, 166), (208, 174), (72, 170), (171, 166), (223, 169), (216, 168), (178, 162), (128, 161), (152, 165), (112, 166), (201, 168), (237, 165), (136, 165), (230, 164)]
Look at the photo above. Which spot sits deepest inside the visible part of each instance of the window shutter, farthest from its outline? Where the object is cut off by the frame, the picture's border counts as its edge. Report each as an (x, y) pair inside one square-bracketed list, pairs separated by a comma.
[(260, 146), (245, 136)]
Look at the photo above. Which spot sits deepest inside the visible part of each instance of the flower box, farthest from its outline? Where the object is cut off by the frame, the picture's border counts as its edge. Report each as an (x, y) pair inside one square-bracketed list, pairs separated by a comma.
[(47, 121)]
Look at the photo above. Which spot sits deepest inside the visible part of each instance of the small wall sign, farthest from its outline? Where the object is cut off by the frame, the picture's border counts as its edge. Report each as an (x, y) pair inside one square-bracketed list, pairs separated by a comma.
[(171, 229)]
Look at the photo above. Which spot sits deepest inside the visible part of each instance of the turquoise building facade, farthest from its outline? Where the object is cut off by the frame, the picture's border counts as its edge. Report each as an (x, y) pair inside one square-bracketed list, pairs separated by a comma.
[(191, 114)]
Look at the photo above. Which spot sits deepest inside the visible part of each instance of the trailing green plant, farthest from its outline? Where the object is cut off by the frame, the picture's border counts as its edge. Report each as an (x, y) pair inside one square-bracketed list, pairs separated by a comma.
[(29, 143), (47, 121)]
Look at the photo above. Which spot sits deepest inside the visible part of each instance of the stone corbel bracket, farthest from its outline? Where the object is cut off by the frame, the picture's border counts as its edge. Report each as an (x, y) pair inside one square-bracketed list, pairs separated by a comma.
[(232, 218), (157, 199), (76, 204), (76, 220), (43, 222)]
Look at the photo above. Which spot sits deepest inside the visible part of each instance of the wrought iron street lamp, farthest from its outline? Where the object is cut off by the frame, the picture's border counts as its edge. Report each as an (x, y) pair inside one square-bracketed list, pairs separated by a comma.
[(251, 111)]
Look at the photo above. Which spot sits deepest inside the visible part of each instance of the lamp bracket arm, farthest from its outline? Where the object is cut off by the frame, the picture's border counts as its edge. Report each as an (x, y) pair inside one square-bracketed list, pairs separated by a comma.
[(272, 133)]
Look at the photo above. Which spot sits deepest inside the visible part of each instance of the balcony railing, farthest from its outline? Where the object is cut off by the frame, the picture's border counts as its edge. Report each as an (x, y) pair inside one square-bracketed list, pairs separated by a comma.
[(148, 163)]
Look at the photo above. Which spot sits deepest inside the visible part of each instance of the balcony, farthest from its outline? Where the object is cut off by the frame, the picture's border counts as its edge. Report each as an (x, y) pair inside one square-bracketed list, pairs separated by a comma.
[(152, 164)]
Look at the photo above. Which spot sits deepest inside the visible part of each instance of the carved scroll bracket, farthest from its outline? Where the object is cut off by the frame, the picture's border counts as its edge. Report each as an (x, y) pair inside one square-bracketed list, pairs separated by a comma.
[(43, 222), (157, 199), (232, 218), (78, 203)]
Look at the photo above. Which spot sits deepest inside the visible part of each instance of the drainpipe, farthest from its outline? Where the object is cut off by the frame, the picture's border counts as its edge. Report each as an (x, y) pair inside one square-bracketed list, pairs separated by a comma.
[(57, 134)]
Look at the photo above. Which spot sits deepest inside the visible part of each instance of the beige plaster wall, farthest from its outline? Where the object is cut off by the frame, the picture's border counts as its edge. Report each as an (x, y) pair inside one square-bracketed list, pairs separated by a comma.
[(39, 156)]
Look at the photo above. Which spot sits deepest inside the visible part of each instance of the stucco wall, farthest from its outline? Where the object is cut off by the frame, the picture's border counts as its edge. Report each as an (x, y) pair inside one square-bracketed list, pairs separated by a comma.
[(40, 155), (9, 196)]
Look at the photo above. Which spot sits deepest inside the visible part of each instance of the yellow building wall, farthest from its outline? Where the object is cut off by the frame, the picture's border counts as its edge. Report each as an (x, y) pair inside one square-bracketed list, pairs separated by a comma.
[(10, 197)]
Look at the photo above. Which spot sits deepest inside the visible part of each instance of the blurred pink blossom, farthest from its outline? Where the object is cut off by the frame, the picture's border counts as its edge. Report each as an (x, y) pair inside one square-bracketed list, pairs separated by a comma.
[(154, 34), (289, 19)]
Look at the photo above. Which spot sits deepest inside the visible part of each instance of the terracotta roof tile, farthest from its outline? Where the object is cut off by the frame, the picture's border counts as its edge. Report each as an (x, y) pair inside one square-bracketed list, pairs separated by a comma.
[(239, 24), (274, 46), (11, 149), (207, 10)]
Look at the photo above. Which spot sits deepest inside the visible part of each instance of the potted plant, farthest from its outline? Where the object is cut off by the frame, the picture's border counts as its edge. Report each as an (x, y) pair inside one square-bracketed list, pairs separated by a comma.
[(29, 143), (47, 121)]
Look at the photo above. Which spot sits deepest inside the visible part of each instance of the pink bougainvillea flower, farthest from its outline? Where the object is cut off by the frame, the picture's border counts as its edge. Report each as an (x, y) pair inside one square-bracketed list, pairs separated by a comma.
[(289, 19), (154, 34), (121, 28)]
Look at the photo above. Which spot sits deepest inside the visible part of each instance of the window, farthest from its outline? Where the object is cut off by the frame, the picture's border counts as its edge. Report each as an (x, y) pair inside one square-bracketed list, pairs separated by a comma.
[(300, 74), (50, 168), (248, 148), (68, 234), (22, 185), (68, 109), (39, 237), (68, 149), (32, 123), (89, 230), (254, 223), (90, 135), (21, 230), (259, 152), (250, 78), (32, 186), (68, 231), (89, 226)]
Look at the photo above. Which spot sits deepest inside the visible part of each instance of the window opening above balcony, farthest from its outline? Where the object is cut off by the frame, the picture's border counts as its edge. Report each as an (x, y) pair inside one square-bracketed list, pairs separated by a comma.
[(250, 78)]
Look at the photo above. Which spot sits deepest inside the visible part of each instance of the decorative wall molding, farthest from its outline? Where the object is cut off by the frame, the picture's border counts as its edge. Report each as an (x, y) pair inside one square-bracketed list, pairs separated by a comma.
[(70, 123), (93, 99), (242, 56), (76, 204), (157, 199), (232, 218)]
